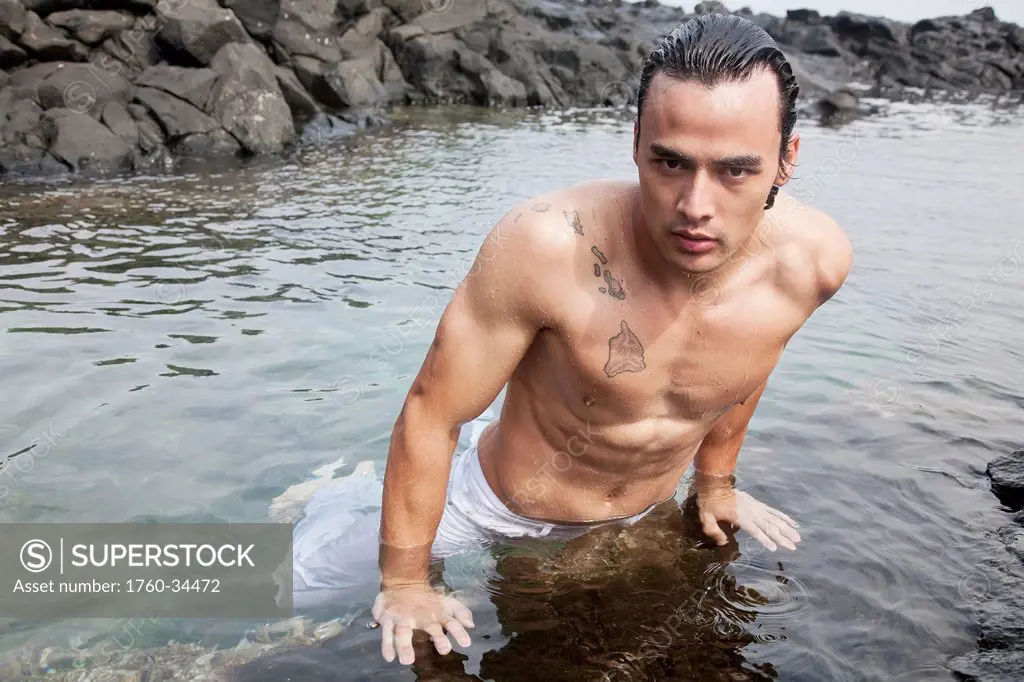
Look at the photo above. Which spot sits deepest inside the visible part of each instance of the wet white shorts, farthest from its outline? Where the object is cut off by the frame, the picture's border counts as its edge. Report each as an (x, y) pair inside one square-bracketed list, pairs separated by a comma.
[(337, 541)]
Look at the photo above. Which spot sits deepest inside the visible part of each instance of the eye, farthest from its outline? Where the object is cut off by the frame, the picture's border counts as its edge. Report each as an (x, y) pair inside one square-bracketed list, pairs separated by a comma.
[(677, 164), (736, 173)]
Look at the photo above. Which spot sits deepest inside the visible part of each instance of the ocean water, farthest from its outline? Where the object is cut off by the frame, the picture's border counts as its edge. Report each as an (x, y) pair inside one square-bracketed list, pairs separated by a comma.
[(188, 347)]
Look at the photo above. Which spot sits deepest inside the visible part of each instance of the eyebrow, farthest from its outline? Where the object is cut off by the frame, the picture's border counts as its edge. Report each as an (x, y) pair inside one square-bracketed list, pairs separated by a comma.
[(737, 161)]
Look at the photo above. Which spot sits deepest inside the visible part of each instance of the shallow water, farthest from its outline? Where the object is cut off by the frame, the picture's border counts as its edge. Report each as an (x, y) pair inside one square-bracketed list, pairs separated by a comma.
[(188, 347)]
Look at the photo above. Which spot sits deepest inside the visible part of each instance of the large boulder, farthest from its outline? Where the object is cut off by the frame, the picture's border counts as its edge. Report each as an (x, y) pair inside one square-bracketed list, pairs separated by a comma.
[(308, 28), (248, 101), (91, 27), (12, 19), (10, 54), (48, 43), (197, 29), (84, 143), (192, 85), (257, 16), (82, 89), (176, 117), (302, 104)]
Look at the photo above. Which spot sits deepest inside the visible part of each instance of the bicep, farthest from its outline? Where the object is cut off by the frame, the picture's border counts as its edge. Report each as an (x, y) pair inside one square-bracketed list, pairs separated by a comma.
[(483, 334)]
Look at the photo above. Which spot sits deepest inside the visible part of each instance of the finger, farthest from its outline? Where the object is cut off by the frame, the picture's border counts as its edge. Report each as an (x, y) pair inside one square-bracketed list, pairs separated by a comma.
[(711, 529), (760, 536), (378, 607), (462, 614), (774, 531), (456, 630), (789, 533), (784, 517), (403, 642), (441, 642), (387, 639)]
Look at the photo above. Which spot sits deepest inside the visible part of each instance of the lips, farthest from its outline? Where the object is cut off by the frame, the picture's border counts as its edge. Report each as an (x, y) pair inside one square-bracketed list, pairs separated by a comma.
[(693, 236)]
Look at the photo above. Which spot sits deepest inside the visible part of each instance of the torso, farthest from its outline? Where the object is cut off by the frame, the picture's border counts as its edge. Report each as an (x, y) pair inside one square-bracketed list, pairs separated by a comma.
[(611, 402)]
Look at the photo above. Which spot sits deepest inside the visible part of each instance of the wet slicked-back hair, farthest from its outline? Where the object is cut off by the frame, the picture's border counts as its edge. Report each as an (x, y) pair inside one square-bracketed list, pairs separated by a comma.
[(717, 48)]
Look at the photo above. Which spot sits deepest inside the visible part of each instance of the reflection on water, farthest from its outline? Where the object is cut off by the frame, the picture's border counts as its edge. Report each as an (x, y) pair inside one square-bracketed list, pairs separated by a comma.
[(187, 348)]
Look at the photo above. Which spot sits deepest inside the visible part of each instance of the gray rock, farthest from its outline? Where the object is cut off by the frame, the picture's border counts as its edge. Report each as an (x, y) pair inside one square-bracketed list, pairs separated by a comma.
[(12, 19), (45, 42), (131, 51), (10, 54), (804, 16), (25, 82), (176, 117), (91, 26), (257, 16), (23, 159), (22, 120), (999, 665), (116, 117), (301, 103), (460, 14), (151, 136), (84, 143), (198, 28), (308, 28), (192, 85), (710, 7), (247, 65), (216, 142), (248, 101), (4, 78), (1006, 474), (351, 84), (82, 89)]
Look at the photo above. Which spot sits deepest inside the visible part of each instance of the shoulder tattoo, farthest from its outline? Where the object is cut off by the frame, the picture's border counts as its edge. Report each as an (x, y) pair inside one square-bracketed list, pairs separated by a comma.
[(625, 353)]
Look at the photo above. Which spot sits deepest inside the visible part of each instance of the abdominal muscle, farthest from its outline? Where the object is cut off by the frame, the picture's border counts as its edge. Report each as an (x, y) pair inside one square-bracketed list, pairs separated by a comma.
[(548, 464)]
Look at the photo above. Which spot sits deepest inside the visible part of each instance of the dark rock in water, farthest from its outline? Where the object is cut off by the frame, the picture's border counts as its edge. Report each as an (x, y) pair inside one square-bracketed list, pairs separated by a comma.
[(1007, 478), (989, 666)]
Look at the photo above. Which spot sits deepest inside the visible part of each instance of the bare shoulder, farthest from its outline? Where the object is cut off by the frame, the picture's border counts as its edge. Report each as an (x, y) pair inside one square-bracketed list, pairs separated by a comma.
[(814, 253), (529, 253)]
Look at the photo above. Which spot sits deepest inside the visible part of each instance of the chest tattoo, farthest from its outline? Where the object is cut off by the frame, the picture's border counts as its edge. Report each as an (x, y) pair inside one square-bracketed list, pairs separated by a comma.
[(625, 353)]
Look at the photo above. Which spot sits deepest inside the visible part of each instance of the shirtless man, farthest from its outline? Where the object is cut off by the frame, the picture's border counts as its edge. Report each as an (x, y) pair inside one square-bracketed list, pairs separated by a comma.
[(635, 325)]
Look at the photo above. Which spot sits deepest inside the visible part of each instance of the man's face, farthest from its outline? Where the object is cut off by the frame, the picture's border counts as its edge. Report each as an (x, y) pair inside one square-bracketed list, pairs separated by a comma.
[(707, 160)]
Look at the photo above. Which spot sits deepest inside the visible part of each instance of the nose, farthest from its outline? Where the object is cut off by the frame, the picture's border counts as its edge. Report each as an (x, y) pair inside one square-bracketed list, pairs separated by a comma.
[(697, 200)]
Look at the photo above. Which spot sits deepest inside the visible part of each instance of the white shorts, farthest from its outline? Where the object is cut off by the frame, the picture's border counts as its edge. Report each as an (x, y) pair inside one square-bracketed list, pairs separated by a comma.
[(335, 545)]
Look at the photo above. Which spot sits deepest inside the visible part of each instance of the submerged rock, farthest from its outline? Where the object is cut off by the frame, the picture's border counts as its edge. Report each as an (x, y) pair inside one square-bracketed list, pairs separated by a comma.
[(1007, 477)]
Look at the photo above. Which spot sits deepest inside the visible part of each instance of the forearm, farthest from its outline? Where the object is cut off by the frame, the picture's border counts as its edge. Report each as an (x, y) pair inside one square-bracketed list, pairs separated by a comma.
[(718, 456), (415, 486)]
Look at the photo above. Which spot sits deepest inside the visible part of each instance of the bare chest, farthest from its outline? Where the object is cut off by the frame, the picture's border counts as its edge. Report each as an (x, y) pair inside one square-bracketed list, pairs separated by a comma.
[(693, 365)]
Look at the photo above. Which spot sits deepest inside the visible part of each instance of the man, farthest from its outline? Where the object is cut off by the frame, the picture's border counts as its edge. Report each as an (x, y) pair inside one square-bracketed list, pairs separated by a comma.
[(634, 324)]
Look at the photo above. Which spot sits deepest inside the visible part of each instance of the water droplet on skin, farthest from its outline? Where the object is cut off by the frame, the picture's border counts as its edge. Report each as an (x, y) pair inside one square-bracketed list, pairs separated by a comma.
[(588, 401)]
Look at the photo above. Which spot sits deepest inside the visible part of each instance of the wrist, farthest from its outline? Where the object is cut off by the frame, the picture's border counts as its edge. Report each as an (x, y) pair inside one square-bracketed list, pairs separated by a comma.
[(704, 481)]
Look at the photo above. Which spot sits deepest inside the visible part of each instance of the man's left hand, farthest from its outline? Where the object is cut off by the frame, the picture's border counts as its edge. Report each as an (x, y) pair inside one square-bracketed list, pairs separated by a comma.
[(768, 526)]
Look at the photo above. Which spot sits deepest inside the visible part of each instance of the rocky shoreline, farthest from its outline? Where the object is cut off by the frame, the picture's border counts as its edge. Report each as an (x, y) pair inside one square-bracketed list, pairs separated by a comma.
[(135, 85), (1000, 654)]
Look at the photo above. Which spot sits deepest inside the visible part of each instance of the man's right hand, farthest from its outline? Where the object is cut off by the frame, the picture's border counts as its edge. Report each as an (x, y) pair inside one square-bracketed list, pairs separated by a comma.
[(401, 610)]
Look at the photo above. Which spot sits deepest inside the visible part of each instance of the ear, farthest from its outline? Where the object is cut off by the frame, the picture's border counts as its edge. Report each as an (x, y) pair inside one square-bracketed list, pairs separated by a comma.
[(788, 164)]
